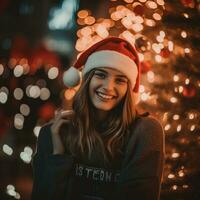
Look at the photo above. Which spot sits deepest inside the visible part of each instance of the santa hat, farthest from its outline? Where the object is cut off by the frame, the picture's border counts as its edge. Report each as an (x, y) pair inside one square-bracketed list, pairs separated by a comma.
[(112, 52)]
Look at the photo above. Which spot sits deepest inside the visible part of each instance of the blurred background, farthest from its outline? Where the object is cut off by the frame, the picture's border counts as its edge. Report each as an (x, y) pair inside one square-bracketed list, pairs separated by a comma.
[(39, 40)]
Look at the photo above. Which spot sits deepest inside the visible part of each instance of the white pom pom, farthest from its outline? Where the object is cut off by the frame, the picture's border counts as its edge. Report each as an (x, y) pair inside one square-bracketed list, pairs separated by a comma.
[(71, 77)]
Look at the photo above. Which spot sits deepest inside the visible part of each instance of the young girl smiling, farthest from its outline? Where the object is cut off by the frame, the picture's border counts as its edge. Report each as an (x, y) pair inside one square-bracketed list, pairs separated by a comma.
[(102, 149)]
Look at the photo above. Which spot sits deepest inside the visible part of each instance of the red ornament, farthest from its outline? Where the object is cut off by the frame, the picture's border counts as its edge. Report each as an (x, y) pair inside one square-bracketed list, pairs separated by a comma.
[(20, 48), (188, 3), (145, 66), (46, 112), (165, 53), (41, 56), (139, 10), (189, 91)]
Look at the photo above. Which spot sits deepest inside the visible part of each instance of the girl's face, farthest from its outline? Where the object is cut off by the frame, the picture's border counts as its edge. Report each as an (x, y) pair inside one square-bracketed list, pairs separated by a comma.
[(107, 88)]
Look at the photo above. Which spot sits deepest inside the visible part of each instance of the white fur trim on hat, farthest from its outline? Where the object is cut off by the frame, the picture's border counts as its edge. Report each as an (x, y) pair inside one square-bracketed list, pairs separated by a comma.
[(115, 60)]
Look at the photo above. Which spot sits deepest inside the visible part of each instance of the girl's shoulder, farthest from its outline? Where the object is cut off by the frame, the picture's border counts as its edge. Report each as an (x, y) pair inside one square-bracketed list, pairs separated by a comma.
[(147, 129), (44, 140)]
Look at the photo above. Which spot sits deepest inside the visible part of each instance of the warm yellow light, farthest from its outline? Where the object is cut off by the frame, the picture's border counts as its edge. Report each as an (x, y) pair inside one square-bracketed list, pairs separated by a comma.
[(162, 34), (89, 20), (176, 117), (142, 1), (141, 56), (69, 93), (108, 23), (150, 22), (170, 176), (82, 14), (128, 36), (187, 50), (137, 27), (141, 88), (151, 5), (192, 128), (173, 99), (183, 34), (157, 16), (117, 15), (179, 127), (129, 1), (102, 31), (138, 20), (86, 31), (175, 155), (167, 127), (1, 69), (158, 58), (126, 22), (150, 76), (156, 48), (80, 21), (159, 38), (160, 2), (181, 173), (121, 8), (180, 89), (191, 116), (176, 78), (170, 46), (81, 44), (174, 187), (185, 15), (187, 81)]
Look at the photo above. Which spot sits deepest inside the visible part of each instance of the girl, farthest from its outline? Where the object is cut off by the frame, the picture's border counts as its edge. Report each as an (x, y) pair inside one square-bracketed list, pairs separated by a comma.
[(102, 149)]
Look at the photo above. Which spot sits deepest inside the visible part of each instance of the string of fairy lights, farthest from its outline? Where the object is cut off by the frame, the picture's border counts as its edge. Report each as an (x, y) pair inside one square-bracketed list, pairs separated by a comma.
[(35, 91), (139, 22)]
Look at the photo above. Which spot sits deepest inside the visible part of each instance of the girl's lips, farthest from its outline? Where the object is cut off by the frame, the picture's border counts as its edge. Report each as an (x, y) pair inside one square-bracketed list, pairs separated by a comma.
[(104, 97)]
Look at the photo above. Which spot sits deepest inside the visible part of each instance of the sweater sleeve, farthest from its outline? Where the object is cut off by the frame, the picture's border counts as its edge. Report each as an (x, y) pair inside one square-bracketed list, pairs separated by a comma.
[(50, 172), (142, 169)]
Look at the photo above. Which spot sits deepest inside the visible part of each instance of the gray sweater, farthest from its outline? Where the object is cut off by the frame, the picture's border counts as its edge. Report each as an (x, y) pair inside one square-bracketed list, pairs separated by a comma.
[(137, 176)]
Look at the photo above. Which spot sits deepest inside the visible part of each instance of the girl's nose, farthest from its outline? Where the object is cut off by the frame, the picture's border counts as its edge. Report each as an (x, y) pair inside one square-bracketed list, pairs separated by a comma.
[(108, 84)]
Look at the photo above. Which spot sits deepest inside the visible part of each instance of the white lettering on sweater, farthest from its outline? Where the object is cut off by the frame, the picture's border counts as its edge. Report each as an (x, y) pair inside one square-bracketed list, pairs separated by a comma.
[(97, 174)]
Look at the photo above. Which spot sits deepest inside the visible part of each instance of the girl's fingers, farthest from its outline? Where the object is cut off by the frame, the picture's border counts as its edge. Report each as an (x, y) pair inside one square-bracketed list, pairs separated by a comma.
[(67, 113)]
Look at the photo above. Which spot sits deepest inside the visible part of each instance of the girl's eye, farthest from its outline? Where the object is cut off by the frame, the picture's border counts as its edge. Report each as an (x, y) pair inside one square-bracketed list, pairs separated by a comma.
[(99, 74), (121, 81)]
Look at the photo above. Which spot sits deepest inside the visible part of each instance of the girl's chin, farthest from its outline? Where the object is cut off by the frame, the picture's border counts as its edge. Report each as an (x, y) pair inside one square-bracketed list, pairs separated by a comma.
[(103, 108)]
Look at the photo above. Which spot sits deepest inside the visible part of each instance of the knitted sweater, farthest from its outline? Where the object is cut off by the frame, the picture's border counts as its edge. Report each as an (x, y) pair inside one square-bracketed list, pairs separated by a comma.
[(135, 176)]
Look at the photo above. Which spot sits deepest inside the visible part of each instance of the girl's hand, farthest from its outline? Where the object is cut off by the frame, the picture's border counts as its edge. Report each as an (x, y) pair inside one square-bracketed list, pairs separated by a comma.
[(61, 117)]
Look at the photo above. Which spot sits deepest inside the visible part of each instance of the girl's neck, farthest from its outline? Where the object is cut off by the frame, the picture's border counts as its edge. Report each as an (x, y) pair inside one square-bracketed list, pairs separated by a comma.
[(101, 115)]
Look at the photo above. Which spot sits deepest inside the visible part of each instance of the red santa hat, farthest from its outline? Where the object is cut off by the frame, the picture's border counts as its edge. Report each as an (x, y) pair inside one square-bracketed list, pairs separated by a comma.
[(112, 52)]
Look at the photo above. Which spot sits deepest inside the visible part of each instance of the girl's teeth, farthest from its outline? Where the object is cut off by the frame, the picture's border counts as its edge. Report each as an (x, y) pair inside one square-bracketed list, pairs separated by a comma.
[(105, 96)]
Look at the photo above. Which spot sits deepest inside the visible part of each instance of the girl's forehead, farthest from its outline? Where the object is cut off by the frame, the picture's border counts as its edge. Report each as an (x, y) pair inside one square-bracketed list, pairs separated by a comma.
[(110, 71)]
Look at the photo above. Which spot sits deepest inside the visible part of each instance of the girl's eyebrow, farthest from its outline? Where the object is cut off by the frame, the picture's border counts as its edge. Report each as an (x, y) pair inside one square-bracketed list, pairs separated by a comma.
[(118, 75)]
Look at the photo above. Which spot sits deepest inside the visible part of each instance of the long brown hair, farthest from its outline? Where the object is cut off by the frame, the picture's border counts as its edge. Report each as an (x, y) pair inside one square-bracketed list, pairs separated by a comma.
[(83, 138)]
